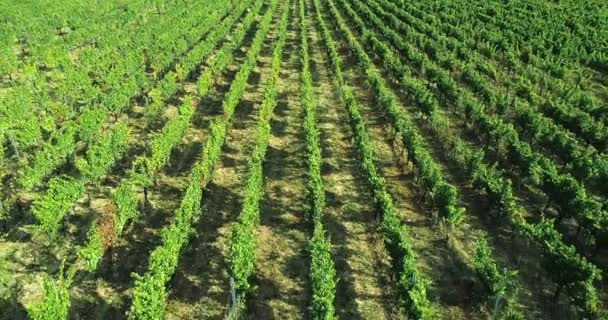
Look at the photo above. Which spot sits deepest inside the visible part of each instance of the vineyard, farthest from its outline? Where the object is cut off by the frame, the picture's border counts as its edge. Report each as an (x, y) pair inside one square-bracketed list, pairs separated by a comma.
[(304, 159)]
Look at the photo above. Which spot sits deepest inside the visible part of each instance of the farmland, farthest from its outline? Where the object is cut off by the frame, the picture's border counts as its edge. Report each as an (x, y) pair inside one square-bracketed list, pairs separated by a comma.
[(304, 159)]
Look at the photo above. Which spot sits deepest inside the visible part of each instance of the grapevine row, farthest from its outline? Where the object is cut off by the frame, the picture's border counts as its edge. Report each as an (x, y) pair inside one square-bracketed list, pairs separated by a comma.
[(322, 269), (149, 293), (563, 110), (563, 190), (63, 193), (443, 194), (388, 101), (411, 283), (143, 172), (145, 168), (485, 264), (488, 180), (224, 56), (543, 71), (585, 161), (55, 152), (50, 208), (241, 257)]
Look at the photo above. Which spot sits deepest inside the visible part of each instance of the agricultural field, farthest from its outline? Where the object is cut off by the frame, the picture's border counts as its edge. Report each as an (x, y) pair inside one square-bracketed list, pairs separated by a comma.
[(304, 159)]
